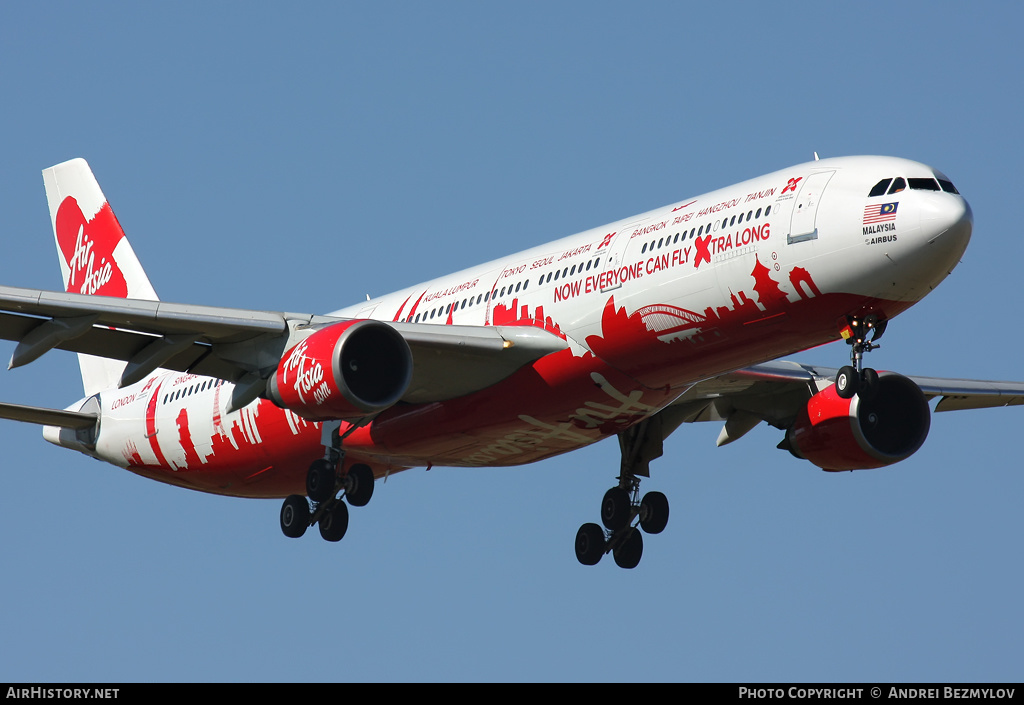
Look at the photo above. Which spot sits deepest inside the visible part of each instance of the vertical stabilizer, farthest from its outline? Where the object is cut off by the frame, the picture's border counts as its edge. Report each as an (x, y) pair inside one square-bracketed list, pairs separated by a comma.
[(95, 256)]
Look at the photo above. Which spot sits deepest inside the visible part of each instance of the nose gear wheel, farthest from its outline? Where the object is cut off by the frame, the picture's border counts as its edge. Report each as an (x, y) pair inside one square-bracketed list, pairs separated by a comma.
[(855, 378)]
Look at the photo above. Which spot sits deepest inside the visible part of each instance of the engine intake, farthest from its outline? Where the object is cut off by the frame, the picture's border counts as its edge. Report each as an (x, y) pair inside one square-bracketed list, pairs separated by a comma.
[(854, 434), (344, 371)]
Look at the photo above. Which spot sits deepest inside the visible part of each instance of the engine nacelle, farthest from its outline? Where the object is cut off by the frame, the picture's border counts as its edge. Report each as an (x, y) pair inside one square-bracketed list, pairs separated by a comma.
[(344, 371), (853, 434)]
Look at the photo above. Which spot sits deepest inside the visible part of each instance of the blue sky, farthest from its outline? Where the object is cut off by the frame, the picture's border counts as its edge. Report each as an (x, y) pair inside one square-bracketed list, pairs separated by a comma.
[(299, 158)]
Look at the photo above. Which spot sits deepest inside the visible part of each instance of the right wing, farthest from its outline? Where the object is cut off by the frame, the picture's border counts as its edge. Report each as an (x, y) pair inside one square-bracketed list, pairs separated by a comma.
[(112, 312), (244, 346)]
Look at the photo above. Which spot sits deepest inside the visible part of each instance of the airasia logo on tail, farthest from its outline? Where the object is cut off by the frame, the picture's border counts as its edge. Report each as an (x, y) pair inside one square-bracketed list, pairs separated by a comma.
[(88, 249)]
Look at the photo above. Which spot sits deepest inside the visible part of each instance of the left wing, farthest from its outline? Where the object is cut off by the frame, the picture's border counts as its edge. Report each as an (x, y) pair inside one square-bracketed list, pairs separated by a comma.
[(776, 392)]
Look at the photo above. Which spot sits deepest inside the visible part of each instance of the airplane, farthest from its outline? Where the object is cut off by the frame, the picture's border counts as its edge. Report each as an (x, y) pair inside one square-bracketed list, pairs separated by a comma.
[(677, 315)]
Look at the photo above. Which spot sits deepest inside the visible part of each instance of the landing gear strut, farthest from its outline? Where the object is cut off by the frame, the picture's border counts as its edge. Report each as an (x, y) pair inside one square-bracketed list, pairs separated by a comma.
[(622, 506), (322, 486), (855, 378)]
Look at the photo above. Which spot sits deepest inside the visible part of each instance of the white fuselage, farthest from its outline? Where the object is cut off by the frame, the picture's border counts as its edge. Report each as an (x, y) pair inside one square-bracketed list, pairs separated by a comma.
[(647, 305)]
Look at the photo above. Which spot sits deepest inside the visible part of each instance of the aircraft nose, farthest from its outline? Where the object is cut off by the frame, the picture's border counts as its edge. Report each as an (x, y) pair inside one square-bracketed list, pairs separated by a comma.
[(929, 242), (947, 222)]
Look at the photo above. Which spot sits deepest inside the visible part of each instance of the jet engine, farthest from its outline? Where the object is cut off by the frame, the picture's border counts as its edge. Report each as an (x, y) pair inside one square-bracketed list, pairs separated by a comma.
[(858, 434), (347, 370)]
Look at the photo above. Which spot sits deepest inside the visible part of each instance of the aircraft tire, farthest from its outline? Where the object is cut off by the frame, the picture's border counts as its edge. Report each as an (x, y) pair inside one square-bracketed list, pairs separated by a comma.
[(320, 480), (846, 382), (654, 512), (630, 551), (590, 544), (334, 524), (868, 389), (361, 478), (615, 508), (294, 516)]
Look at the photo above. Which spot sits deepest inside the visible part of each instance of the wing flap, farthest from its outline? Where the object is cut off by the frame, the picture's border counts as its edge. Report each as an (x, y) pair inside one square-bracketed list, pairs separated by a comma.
[(452, 361)]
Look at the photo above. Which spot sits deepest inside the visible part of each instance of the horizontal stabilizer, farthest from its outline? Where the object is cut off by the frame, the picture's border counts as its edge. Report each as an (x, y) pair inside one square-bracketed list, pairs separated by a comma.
[(77, 420)]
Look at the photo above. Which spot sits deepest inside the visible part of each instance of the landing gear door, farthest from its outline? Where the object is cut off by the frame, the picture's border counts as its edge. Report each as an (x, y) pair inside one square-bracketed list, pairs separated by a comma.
[(805, 210)]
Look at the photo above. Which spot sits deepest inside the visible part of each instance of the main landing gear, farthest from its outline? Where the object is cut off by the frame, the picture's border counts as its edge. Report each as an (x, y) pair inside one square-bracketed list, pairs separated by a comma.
[(324, 507), (622, 506), (855, 378)]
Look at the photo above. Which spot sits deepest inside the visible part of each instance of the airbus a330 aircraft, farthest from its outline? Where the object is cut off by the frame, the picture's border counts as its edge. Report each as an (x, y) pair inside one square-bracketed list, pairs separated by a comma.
[(630, 329)]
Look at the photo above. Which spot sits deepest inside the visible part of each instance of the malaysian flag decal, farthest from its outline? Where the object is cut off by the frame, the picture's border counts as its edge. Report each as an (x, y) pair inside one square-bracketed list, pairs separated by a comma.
[(880, 213)]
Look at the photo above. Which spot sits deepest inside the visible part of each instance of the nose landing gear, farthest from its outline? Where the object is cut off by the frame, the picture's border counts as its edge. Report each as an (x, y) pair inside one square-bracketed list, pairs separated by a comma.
[(855, 378)]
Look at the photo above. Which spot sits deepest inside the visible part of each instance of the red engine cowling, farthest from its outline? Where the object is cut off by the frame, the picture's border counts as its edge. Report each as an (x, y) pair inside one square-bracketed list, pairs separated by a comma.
[(853, 434), (344, 371)]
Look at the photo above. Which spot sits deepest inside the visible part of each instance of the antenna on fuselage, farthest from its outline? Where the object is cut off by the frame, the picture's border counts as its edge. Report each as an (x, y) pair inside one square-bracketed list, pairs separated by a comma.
[(815, 156)]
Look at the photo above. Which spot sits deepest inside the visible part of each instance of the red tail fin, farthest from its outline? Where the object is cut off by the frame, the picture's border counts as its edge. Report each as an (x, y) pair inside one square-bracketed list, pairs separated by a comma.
[(95, 256)]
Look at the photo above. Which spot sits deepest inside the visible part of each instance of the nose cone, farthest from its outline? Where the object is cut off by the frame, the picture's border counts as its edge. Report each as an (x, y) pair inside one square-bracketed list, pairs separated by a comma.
[(933, 229), (946, 223)]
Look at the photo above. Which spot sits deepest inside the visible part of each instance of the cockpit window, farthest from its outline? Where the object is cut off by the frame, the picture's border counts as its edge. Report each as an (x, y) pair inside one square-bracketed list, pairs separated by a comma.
[(923, 184), (897, 185), (880, 187), (948, 186)]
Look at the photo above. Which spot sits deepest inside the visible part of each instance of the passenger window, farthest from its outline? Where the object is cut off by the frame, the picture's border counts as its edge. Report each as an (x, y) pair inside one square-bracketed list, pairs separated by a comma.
[(758, 214), (898, 185), (767, 211), (643, 249), (879, 188)]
